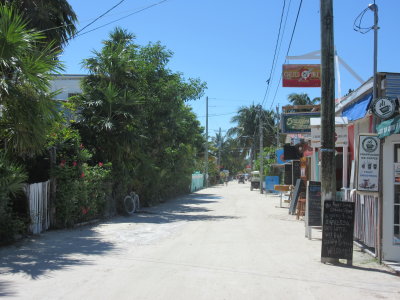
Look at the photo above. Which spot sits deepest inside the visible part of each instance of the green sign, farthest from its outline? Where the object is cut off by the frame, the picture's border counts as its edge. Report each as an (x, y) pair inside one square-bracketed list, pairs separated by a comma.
[(297, 122), (388, 127)]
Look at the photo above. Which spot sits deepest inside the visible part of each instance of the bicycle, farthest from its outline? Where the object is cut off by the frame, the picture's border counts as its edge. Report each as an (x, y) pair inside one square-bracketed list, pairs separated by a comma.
[(131, 203)]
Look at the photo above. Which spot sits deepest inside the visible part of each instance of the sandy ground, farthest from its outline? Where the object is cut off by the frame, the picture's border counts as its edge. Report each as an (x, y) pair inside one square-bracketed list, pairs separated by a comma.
[(218, 243)]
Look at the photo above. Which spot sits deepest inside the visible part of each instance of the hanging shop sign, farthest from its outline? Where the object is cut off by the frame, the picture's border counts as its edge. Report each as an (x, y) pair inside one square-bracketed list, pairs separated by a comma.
[(301, 76), (297, 123), (383, 108), (341, 136), (388, 127), (368, 163)]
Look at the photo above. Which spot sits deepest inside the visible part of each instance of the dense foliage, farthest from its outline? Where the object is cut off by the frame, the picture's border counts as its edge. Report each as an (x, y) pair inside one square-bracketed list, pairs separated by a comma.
[(132, 113), (82, 187)]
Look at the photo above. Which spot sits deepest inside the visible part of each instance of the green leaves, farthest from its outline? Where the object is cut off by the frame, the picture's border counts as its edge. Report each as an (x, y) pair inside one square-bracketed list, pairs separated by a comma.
[(133, 114)]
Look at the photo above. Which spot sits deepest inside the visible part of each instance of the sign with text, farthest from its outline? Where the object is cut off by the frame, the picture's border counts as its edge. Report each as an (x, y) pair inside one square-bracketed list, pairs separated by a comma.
[(297, 122), (368, 163), (341, 136), (337, 230), (301, 76), (313, 203)]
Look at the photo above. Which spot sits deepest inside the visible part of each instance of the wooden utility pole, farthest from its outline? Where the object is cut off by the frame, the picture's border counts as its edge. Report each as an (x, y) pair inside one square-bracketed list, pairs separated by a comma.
[(206, 153), (328, 168), (277, 127), (219, 149), (261, 150)]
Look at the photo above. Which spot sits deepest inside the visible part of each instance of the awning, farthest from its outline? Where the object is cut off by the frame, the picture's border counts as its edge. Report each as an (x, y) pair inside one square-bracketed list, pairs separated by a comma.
[(357, 110), (388, 127)]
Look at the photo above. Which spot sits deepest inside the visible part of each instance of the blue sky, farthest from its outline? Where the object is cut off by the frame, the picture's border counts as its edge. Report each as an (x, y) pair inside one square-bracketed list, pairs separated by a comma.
[(230, 44)]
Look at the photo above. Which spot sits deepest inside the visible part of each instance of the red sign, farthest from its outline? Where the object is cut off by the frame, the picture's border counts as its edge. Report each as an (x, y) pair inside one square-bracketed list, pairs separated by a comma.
[(301, 76)]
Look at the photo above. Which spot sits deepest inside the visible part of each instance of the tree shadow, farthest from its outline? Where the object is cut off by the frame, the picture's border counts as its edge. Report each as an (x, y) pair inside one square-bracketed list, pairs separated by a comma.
[(52, 251), (5, 289), (189, 208)]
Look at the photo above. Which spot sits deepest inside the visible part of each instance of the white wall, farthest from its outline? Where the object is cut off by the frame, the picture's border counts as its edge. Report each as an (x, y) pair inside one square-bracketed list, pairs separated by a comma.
[(67, 84)]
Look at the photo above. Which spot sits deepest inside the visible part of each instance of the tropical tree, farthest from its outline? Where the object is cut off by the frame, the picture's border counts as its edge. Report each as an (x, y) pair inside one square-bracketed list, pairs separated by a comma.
[(54, 18), (302, 99), (26, 65), (247, 131), (132, 113)]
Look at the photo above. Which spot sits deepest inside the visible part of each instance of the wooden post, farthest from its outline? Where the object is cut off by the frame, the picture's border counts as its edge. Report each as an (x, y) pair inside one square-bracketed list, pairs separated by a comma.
[(261, 151), (53, 187), (328, 168), (206, 146)]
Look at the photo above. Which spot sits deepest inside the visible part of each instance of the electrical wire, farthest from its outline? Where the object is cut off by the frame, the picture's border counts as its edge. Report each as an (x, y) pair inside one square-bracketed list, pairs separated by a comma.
[(217, 115), (135, 12), (99, 17), (358, 20), (275, 52), (287, 53)]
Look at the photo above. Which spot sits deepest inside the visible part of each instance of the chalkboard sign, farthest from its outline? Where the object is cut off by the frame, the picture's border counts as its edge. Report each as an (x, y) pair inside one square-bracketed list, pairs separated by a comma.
[(288, 174), (337, 231), (313, 203), (296, 170), (295, 196)]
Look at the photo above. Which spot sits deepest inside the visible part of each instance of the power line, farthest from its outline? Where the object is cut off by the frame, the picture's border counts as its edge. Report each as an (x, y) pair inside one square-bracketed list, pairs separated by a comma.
[(95, 19), (357, 25), (135, 12), (231, 113), (290, 44), (99, 17), (275, 51)]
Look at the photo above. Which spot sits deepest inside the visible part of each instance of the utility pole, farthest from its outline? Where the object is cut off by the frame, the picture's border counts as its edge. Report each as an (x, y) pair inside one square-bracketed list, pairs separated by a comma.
[(206, 154), (277, 127), (374, 8), (328, 178), (261, 150), (219, 148)]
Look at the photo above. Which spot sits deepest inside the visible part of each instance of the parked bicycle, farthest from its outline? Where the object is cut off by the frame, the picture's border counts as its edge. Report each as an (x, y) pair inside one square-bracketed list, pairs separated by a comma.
[(131, 203)]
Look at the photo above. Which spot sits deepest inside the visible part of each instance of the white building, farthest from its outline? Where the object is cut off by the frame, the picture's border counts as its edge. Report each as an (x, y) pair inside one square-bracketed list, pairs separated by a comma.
[(67, 84)]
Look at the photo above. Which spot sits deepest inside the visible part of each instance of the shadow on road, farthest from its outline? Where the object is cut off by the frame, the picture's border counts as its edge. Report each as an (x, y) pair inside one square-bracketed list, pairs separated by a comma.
[(367, 269), (5, 289), (189, 208), (51, 251)]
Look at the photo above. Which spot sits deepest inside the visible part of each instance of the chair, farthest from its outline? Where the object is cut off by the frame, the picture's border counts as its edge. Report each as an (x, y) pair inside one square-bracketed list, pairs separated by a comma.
[(301, 205)]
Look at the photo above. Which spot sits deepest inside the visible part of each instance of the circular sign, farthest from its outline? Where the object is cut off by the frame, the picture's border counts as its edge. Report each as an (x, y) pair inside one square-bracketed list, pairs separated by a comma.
[(369, 144), (383, 108)]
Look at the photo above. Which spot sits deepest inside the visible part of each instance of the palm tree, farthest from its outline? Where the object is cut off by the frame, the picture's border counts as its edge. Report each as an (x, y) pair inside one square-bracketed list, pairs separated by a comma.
[(27, 109), (302, 99), (55, 18), (247, 129)]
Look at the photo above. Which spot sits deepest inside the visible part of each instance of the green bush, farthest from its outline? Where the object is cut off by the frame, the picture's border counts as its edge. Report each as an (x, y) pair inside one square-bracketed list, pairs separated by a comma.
[(81, 192), (82, 185), (12, 178)]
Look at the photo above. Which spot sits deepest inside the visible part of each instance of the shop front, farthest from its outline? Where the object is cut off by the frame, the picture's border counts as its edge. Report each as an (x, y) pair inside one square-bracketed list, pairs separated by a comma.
[(389, 131)]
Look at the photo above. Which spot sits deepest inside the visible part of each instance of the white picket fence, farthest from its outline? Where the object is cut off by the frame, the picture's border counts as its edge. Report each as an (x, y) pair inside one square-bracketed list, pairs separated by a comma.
[(38, 195)]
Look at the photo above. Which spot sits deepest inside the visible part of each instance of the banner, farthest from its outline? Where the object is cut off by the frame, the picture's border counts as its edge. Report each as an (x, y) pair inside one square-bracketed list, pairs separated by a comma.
[(301, 76)]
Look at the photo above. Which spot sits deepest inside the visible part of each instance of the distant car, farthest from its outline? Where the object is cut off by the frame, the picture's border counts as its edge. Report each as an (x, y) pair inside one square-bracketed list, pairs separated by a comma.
[(255, 180), (241, 179)]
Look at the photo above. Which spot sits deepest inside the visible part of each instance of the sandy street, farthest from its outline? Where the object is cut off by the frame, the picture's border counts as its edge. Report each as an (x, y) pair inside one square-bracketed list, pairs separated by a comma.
[(218, 243)]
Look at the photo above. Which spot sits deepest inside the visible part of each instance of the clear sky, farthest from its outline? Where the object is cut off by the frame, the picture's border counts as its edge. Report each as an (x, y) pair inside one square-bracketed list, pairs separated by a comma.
[(231, 44)]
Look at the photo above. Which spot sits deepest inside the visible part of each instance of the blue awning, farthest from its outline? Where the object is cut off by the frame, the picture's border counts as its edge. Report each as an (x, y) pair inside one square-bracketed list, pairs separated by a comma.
[(357, 110)]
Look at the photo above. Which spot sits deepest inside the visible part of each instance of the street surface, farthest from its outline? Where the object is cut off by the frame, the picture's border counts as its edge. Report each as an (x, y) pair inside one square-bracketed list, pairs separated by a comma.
[(219, 243)]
